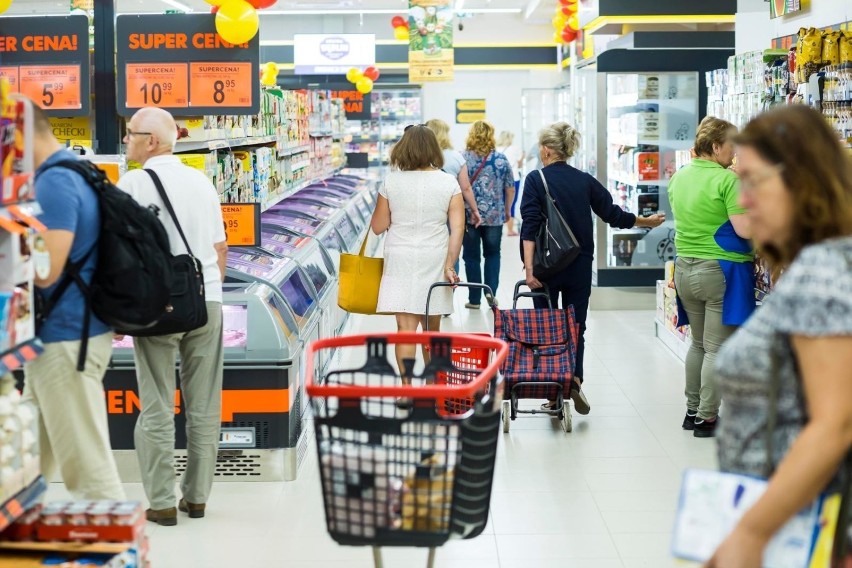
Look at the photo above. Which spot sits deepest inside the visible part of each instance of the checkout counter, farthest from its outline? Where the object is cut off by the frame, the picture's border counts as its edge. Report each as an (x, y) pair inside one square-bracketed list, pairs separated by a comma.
[(279, 296)]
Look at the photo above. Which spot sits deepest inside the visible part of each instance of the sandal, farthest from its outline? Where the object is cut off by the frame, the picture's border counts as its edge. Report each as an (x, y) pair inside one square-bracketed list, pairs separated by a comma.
[(550, 405)]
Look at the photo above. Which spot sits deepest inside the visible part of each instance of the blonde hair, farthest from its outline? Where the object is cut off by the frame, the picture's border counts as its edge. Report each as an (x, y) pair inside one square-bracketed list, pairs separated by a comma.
[(561, 138), (480, 139), (505, 140), (442, 132), (712, 131)]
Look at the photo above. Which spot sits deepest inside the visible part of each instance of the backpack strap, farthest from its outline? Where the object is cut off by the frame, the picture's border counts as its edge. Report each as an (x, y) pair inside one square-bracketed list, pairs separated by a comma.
[(165, 197)]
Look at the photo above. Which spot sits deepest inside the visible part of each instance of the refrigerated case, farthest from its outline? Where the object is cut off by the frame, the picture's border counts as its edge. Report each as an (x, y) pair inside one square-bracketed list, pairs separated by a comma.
[(392, 110)]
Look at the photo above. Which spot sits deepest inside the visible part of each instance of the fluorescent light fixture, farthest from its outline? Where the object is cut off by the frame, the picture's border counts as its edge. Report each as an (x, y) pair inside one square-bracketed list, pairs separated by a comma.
[(357, 12), (177, 5), (602, 21)]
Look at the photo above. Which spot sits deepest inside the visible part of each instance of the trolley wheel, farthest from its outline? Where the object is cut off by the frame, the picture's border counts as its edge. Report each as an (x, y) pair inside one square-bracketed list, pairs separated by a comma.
[(507, 415), (567, 423)]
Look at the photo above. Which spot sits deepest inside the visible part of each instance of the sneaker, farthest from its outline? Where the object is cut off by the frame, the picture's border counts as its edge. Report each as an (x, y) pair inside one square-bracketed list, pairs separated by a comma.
[(689, 420), (705, 428), (581, 403), (471, 306)]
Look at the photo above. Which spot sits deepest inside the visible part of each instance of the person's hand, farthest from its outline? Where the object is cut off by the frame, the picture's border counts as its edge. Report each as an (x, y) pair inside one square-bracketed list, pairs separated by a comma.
[(451, 276), (475, 219), (117, 337), (533, 282), (742, 549), (654, 220)]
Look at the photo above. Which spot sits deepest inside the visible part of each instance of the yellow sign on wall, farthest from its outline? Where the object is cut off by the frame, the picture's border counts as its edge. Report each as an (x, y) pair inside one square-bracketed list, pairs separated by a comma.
[(68, 129), (469, 111)]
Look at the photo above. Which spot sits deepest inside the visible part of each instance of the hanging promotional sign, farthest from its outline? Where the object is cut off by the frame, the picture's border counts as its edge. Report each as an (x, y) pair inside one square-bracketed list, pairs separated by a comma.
[(332, 54), (430, 51), (778, 8), (179, 62), (357, 105), (46, 58)]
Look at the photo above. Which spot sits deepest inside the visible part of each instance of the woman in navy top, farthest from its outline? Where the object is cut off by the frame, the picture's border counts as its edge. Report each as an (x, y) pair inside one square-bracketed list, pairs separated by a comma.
[(577, 195)]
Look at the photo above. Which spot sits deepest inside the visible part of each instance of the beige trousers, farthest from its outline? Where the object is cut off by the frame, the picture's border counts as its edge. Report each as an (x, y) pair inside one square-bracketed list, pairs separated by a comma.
[(73, 429), (201, 368)]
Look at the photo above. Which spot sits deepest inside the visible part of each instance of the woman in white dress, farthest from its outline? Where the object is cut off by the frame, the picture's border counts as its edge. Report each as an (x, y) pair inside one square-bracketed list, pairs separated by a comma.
[(416, 202)]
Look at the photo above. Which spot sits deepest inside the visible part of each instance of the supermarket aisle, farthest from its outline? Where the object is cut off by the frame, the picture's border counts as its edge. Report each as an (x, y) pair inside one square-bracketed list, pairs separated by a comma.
[(601, 497)]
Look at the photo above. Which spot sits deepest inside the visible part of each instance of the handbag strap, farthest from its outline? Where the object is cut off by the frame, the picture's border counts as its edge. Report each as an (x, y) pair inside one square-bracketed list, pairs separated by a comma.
[(479, 169), (364, 245), (167, 202), (550, 197)]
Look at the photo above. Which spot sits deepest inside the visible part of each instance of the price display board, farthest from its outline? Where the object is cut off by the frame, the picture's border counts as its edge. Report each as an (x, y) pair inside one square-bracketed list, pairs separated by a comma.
[(47, 60), (242, 224), (178, 62)]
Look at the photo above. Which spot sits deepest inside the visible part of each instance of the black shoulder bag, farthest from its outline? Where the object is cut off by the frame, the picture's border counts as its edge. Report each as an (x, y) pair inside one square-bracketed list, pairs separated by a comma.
[(187, 308), (555, 244)]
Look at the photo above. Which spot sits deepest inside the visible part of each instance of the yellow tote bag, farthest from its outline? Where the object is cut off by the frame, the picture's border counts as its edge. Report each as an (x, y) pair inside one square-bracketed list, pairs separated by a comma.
[(360, 278)]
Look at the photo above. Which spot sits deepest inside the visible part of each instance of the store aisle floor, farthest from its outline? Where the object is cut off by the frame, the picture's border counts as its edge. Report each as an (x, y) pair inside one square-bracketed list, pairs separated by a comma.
[(603, 496)]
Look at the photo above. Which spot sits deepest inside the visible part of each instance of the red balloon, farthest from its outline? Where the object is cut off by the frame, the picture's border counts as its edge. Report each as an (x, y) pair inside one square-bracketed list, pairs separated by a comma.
[(569, 9), (371, 73), (214, 9), (397, 21), (564, 2), (568, 35), (261, 4)]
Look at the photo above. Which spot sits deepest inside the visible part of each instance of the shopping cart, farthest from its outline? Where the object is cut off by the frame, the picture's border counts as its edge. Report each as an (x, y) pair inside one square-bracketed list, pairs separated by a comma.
[(411, 474)]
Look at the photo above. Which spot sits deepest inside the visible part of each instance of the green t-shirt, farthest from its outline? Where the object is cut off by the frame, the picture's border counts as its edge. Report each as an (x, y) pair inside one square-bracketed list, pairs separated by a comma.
[(703, 196)]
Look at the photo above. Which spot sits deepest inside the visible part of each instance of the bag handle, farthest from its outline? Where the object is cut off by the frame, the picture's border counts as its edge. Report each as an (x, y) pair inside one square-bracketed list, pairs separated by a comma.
[(550, 197), (165, 197), (479, 169), (364, 245)]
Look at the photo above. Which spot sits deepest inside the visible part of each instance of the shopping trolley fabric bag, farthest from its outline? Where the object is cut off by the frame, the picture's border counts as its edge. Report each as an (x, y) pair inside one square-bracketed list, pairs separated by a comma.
[(360, 279)]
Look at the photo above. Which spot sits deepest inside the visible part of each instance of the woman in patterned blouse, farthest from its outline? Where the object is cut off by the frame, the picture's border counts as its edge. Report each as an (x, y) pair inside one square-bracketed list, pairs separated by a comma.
[(786, 375)]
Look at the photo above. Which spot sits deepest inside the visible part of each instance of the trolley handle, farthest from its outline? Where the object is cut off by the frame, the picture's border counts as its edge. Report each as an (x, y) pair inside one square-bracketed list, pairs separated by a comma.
[(545, 293), (483, 287), (426, 391)]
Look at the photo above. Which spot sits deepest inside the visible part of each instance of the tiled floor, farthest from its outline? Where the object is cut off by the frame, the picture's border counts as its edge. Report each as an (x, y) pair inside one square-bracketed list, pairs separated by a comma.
[(603, 496)]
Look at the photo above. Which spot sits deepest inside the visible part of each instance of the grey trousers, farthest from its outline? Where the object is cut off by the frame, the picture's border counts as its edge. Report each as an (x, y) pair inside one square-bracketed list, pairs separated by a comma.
[(201, 368), (701, 288)]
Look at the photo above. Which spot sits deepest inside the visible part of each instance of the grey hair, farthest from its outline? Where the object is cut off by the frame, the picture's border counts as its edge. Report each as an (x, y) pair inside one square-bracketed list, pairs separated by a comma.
[(506, 138), (561, 138)]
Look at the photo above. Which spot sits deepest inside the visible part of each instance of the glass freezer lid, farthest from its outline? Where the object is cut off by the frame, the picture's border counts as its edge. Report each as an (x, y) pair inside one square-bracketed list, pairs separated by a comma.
[(347, 230), (282, 243), (234, 329), (316, 268), (295, 291), (256, 264), (318, 211), (321, 197), (308, 227)]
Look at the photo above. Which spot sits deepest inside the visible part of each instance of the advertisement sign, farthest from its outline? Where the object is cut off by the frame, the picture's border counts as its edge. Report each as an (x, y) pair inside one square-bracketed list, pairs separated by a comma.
[(179, 63), (332, 54), (469, 111), (358, 106), (778, 8), (242, 224), (47, 59), (430, 51)]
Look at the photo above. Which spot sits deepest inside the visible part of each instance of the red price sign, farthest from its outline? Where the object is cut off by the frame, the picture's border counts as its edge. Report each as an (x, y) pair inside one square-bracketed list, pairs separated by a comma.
[(157, 84), (220, 85), (242, 224), (53, 87), (11, 75)]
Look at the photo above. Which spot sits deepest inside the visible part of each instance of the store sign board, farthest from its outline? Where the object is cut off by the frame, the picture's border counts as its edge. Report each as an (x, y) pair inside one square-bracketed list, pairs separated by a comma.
[(72, 129), (469, 111), (357, 105), (332, 54), (178, 62), (430, 52), (778, 8), (242, 224), (46, 58)]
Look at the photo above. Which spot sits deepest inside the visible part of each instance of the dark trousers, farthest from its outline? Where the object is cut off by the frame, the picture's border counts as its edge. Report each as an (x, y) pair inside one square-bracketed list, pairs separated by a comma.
[(575, 287), (479, 242)]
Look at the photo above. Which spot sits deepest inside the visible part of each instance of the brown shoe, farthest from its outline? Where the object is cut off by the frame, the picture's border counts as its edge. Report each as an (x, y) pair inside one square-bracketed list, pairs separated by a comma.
[(163, 517), (195, 511)]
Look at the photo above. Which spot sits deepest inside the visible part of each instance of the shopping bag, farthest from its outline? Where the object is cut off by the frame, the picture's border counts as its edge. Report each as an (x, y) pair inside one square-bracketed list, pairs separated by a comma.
[(360, 279)]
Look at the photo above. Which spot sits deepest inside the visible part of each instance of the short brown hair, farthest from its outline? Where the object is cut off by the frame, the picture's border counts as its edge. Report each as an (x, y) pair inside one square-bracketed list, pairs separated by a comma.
[(816, 171), (418, 149), (712, 131), (480, 139)]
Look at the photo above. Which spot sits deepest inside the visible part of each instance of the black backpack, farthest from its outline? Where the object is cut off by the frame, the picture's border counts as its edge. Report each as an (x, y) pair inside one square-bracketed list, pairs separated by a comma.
[(130, 286)]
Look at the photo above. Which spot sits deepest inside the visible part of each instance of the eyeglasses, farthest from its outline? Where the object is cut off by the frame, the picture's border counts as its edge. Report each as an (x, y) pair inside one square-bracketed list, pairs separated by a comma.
[(410, 126), (131, 133), (749, 183)]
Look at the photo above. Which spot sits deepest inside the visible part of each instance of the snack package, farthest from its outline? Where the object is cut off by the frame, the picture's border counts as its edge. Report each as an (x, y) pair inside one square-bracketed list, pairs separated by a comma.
[(831, 48), (426, 504), (810, 57), (845, 48)]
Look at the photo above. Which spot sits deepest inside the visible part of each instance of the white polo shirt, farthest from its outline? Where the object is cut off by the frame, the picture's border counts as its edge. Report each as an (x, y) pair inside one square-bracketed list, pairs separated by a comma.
[(196, 205)]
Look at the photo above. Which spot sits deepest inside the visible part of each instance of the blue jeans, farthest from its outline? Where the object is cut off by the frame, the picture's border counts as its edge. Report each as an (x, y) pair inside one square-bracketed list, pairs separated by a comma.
[(490, 237)]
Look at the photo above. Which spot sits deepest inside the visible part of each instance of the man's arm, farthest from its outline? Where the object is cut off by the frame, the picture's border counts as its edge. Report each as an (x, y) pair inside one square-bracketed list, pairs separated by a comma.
[(222, 252), (58, 244)]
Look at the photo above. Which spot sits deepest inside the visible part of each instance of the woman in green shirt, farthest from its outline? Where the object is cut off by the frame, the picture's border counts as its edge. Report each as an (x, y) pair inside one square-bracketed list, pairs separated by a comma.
[(714, 273)]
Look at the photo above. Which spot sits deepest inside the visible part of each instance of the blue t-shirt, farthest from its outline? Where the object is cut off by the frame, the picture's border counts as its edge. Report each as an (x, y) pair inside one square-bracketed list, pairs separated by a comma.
[(69, 204), (490, 185)]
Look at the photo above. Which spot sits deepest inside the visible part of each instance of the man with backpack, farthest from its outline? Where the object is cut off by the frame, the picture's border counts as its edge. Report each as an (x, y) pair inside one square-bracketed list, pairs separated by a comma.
[(67, 388), (190, 211)]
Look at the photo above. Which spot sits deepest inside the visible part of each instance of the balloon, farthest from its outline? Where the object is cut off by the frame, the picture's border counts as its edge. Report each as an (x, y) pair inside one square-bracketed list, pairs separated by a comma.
[(215, 2), (557, 38), (214, 9), (4, 5), (568, 35), (398, 21), (574, 22), (371, 73), (269, 80), (271, 67), (561, 2), (237, 21), (364, 85), (568, 10), (353, 75), (559, 22), (261, 4), (401, 33)]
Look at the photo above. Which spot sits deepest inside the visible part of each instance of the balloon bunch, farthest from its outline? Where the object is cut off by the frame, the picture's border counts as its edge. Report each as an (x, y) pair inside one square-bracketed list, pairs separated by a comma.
[(237, 20), (400, 28), (363, 80), (566, 22), (5, 5), (269, 76)]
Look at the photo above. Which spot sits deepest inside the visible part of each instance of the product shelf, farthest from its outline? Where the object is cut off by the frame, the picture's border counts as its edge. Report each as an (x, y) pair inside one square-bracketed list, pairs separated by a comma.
[(224, 143), (67, 547), (677, 345), (16, 357), (25, 500)]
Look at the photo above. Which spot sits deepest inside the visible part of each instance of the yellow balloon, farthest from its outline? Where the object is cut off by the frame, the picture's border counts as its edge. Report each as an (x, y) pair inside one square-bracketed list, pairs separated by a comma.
[(354, 74), (559, 22), (401, 33), (364, 85), (4, 5), (237, 21), (268, 80), (557, 38), (215, 2), (574, 22), (271, 67)]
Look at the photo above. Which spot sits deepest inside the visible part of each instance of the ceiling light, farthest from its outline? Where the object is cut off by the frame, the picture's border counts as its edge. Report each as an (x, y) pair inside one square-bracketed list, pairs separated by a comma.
[(459, 5), (357, 12), (178, 5)]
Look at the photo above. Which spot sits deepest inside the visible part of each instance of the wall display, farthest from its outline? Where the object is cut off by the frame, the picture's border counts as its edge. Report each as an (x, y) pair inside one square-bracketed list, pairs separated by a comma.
[(47, 59), (469, 111), (778, 8), (325, 54), (178, 62), (430, 52), (242, 224)]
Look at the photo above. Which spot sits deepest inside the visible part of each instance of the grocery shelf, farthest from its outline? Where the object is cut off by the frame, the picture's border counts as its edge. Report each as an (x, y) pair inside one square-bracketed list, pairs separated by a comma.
[(298, 187), (68, 547), (224, 143), (16, 357), (13, 508)]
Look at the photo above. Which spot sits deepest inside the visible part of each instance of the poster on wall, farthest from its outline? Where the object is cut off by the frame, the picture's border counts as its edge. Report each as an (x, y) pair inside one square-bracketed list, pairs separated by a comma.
[(778, 8), (430, 50)]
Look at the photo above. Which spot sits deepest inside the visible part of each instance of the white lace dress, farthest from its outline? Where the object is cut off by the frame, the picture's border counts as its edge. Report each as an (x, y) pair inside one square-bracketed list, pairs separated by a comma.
[(417, 240)]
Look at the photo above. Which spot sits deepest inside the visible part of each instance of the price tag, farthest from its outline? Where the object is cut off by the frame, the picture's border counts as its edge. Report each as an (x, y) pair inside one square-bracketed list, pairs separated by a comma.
[(157, 84), (220, 85), (242, 224), (53, 87), (11, 75)]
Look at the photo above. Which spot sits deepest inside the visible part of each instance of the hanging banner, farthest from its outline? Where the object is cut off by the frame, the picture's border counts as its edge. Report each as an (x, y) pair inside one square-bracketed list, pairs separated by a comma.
[(86, 7), (778, 8), (430, 50)]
